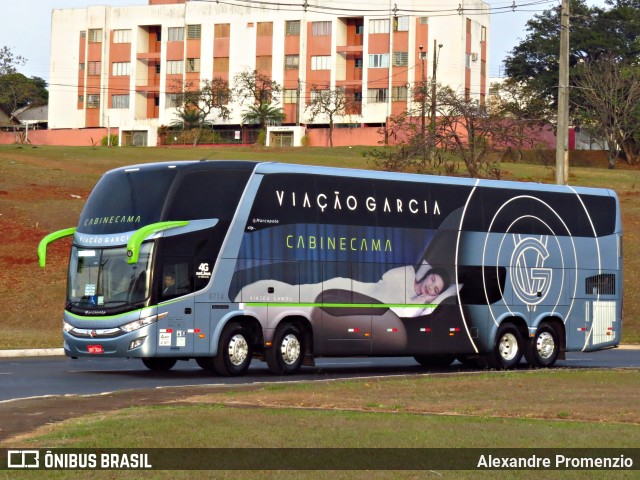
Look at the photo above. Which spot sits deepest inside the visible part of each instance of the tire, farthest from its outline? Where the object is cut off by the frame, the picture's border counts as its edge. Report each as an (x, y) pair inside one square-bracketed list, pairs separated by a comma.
[(234, 351), (159, 364), (542, 350), (287, 352), (205, 363), (508, 348), (435, 361)]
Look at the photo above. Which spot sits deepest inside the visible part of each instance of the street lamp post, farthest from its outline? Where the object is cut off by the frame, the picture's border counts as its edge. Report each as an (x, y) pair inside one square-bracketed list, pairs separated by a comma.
[(422, 93), (436, 54)]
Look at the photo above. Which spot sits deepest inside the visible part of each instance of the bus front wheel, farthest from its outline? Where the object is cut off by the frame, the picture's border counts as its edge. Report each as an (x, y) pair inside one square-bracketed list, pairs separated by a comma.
[(507, 349), (542, 350), (234, 351), (159, 364), (287, 352)]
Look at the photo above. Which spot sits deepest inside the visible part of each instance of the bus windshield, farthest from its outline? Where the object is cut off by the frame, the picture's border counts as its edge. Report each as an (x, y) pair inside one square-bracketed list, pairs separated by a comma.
[(102, 279)]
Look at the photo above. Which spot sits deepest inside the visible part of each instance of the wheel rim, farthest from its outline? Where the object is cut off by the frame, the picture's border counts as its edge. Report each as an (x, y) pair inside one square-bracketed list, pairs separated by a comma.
[(545, 345), (290, 349), (238, 350), (508, 347)]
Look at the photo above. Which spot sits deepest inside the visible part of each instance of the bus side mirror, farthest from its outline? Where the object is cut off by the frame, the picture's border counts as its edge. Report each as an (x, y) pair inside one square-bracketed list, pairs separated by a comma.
[(52, 237), (133, 245)]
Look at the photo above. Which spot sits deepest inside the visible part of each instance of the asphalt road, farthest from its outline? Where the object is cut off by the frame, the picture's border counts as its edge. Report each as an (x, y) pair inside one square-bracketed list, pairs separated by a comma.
[(28, 377)]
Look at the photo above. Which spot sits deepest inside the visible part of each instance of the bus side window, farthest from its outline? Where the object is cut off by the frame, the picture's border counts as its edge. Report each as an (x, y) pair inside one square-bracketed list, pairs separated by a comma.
[(175, 280)]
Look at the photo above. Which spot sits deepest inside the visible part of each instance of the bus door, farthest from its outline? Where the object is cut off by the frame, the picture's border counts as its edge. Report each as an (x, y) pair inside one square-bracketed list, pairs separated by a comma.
[(176, 331)]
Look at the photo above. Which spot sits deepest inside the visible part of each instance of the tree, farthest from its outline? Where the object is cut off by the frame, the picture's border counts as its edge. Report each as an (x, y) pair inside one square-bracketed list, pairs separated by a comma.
[(262, 95), (330, 103), (17, 91), (594, 32), (473, 134), (262, 114), (199, 105), (609, 109), (9, 62)]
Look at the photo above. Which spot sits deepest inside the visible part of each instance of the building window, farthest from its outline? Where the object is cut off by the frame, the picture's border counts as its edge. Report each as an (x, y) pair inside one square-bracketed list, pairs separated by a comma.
[(193, 32), (318, 95), (290, 95), (424, 20), (175, 34), (377, 95), (93, 101), (119, 101), (358, 62), (157, 69), (172, 100), (81, 66), (292, 27), (263, 62), (81, 99), (467, 60), (222, 30), (264, 29), (379, 60), (400, 59), (401, 24), (95, 35), (192, 65), (398, 93), (291, 62), (379, 26), (174, 67), (321, 62), (83, 34), (320, 28), (122, 36), (221, 64), (483, 34), (94, 68), (119, 69)]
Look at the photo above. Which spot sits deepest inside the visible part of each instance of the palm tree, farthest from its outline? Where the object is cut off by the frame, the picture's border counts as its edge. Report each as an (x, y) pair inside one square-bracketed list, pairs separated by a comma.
[(262, 114)]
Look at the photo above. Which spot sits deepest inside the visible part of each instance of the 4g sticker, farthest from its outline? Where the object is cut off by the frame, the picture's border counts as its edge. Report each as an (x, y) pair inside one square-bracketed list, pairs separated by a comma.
[(203, 270)]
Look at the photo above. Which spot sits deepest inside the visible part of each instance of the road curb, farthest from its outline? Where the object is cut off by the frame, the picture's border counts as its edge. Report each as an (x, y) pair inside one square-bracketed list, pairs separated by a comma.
[(32, 352)]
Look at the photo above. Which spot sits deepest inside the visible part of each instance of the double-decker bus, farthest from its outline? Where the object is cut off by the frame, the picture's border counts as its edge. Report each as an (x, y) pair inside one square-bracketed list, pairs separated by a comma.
[(226, 261)]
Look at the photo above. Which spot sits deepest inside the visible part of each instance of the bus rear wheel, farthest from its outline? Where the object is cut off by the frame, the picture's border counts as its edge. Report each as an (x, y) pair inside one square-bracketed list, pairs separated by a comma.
[(542, 350), (234, 351), (507, 349), (287, 352), (159, 364)]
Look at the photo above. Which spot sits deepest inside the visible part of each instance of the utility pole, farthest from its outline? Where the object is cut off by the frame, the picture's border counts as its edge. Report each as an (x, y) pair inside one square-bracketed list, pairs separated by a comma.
[(562, 135), (423, 89), (298, 104), (436, 53)]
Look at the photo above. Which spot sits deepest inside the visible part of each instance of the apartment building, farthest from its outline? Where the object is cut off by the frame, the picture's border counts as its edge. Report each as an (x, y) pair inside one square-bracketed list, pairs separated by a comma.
[(120, 67)]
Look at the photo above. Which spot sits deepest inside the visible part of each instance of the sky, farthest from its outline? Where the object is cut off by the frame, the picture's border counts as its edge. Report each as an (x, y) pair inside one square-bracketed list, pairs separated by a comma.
[(27, 27)]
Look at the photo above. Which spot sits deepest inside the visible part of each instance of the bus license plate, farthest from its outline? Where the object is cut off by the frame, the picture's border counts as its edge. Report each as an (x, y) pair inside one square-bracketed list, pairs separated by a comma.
[(95, 349)]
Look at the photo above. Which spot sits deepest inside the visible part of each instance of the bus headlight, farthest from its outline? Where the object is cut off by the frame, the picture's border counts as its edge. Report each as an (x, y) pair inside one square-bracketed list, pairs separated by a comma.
[(67, 327), (143, 322)]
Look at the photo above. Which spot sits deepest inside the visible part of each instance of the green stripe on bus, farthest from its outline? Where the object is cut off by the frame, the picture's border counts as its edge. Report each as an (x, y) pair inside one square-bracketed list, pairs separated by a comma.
[(340, 305)]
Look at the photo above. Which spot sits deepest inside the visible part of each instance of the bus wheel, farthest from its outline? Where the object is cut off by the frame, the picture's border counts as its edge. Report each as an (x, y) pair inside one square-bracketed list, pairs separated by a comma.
[(542, 350), (435, 361), (507, 351), (205, 363), (234, 351), (286, 355), (159, 364)]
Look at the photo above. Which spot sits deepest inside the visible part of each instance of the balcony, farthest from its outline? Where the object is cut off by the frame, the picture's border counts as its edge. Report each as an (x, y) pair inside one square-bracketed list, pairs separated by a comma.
[(349, 49), (148, 56)]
